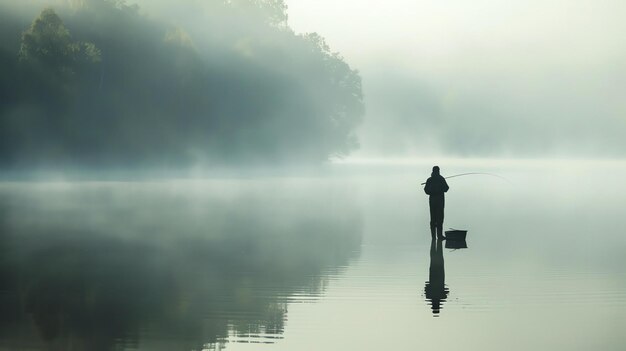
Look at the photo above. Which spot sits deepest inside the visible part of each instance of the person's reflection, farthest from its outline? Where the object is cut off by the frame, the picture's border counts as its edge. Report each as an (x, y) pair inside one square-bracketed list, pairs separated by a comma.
[(435, 289)]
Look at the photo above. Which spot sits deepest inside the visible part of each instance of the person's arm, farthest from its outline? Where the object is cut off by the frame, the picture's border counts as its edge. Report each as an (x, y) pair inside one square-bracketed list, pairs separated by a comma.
[(445, 186), (428, 186)]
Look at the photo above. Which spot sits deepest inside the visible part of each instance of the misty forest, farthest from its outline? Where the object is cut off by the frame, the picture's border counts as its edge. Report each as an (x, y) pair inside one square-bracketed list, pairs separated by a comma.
[(97, 83)]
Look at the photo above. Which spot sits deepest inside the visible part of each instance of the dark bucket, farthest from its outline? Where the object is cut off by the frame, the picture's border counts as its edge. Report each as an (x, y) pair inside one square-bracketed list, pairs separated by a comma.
[(456, 234), (456, 244)]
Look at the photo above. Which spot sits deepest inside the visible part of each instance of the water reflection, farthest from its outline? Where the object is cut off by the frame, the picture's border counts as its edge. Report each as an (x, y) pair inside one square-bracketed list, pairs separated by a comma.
[(114, 267), (435, 289), (456, 244)]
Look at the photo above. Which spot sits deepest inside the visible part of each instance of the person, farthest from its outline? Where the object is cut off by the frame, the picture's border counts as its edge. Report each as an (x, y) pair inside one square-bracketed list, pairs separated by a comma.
[(436, 187)]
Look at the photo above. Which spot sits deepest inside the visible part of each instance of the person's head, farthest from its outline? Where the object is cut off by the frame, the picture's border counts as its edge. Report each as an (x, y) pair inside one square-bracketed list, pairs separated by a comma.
[(436, 170)]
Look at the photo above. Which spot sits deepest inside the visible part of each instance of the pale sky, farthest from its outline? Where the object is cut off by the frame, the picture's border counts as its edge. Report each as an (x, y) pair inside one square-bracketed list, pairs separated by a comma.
[(545, 32), (529, 77)]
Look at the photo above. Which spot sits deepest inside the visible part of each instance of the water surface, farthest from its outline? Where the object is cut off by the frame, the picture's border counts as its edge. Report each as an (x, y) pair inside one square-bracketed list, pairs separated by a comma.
[(333, 262)]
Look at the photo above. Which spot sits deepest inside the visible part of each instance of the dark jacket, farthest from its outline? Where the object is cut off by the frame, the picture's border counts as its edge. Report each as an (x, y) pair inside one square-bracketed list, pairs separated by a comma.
[(436, 186)]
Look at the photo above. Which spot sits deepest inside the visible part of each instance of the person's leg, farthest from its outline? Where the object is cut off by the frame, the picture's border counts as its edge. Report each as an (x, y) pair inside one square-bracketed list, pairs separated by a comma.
[(441, 216), (439, 221), (433, 217)]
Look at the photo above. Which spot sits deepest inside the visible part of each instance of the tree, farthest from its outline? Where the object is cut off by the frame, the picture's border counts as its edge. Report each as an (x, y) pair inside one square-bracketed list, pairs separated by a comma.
[(49, 43), (232, 84)]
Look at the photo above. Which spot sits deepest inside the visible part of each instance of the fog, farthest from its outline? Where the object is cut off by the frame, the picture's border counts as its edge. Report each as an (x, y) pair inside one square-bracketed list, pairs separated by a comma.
[(205, 84), (482, 78), (105, 84), (247, 175), (96, 263)]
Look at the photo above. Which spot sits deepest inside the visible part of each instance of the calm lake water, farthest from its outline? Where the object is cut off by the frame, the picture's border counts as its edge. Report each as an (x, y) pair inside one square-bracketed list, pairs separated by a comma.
[(339, 261)]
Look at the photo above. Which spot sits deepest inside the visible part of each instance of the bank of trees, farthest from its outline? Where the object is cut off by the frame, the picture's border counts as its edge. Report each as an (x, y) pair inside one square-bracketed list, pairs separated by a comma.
[(98, 83)]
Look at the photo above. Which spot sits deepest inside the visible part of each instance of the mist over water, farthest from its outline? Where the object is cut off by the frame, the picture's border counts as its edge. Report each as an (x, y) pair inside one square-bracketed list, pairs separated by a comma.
[(317, 262), (245, 175), (99, 266)]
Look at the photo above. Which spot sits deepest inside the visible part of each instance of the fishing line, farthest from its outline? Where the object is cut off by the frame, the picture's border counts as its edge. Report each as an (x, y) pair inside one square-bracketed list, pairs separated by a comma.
[(476, 173)]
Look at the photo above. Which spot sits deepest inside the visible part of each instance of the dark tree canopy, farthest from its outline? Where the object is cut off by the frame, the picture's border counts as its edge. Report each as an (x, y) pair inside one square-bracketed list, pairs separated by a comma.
[(49, 43), (98, 83)]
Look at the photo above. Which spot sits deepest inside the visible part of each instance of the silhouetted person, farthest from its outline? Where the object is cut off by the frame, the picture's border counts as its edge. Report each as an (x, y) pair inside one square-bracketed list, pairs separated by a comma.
[(436, 186), (435, 289)]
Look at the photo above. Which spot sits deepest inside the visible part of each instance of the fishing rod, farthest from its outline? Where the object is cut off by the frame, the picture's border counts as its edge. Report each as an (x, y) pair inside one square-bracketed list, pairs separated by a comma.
[(475, 173)]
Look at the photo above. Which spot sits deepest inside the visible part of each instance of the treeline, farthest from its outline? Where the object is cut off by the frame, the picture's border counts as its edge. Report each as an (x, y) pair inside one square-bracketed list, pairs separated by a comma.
[(98, 83)]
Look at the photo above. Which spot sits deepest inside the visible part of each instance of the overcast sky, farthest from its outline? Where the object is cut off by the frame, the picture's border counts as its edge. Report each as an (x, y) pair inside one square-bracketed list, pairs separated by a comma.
[(482, 78)]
